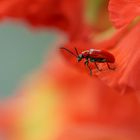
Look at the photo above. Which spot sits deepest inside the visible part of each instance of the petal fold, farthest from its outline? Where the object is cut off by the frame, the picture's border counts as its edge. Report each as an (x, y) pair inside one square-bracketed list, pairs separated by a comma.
[(126, 77), (122, 12)]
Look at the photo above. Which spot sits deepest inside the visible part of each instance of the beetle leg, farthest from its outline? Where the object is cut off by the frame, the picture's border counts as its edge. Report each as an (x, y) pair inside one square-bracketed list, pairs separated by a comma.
[(110, 67), (87, 64), (90, 69), (97, 66)]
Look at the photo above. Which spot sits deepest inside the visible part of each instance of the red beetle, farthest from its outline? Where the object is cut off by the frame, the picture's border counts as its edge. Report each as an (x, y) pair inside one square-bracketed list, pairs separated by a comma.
[(95, 56)]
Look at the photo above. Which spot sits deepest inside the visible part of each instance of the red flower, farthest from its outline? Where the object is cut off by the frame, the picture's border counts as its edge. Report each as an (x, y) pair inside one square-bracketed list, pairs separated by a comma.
[(122, 12), (82, 103)]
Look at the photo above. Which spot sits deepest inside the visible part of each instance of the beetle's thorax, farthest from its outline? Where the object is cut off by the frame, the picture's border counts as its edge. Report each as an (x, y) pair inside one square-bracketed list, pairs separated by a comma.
[(85, 54), (93, 50)]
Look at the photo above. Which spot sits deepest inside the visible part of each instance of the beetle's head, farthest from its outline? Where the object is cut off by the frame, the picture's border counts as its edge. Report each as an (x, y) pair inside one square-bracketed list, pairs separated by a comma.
[(79, 57)]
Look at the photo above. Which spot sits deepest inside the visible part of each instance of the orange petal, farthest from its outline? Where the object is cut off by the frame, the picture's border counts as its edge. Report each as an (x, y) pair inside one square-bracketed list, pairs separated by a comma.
[(127, 54), (88, 103), (122, 12)]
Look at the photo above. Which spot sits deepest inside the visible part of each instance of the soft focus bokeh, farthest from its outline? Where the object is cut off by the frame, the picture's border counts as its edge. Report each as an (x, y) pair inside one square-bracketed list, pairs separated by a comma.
[(22, 50), (45, 94)]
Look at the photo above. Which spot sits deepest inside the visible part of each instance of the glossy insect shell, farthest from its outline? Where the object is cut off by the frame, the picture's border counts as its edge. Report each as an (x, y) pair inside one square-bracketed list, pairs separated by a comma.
[(85, 53), (93, 53)]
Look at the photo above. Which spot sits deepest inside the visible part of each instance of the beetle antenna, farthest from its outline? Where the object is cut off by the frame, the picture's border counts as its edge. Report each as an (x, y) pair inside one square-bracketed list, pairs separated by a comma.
[(76, 51), (68, 51)]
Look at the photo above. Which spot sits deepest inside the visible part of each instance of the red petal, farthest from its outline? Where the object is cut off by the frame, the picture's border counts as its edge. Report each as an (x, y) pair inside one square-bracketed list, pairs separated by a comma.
[(87, 101), (127, 54), (63, 14), (122, 12)]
